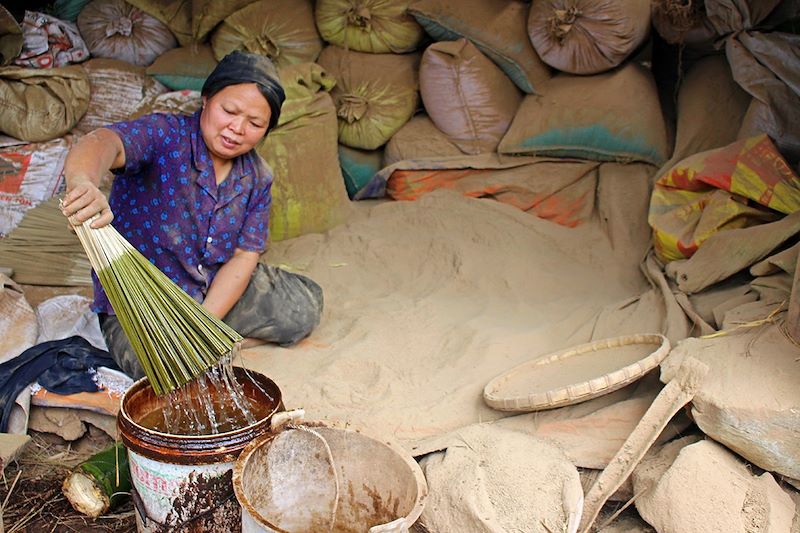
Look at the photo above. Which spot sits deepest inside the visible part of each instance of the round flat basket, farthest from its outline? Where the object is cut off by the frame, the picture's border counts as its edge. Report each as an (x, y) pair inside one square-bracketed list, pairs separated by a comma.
[(576, 374)]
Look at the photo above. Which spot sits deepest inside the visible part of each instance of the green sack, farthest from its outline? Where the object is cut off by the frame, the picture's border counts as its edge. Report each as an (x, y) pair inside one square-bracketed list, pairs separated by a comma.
[(183, 68), (375, 94), (176, 14), (68, 9), (375, 26), (206, 14), (282, 30), (42, 104), (358, 167), (308, 194)]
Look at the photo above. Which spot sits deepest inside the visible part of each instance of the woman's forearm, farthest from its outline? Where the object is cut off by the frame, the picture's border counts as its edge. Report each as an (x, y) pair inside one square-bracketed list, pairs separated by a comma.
[(230, 283), (91, 157)]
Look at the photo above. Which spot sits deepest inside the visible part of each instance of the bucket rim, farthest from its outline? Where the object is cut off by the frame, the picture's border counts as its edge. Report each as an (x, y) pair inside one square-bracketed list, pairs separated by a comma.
[(140, 384), (200, 447), (256, 443)]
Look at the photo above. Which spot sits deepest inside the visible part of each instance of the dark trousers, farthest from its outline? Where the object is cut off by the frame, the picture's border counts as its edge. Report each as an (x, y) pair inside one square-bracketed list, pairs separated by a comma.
[(277, 306)]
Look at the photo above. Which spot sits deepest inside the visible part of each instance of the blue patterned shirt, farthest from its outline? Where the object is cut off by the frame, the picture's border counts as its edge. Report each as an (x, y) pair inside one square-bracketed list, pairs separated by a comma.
[(167, 204)]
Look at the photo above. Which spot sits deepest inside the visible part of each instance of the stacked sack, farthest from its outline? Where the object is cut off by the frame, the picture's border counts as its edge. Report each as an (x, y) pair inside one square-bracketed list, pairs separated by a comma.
[(594, 106), (372, 53), (738, 128), (473, 95), (65, 72), (522, 102), (145, 56)]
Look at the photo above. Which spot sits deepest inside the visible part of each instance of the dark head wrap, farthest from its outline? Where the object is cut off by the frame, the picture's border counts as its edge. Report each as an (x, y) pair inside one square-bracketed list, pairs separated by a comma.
[(244, 67)]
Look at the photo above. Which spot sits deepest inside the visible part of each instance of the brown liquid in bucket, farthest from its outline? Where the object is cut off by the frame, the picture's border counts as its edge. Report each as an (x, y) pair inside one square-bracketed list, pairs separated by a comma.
[(213, 403), (182, 483)]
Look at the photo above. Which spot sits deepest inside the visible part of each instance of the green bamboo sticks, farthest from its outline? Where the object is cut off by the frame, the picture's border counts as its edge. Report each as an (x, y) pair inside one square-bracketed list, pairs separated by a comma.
[(175, 338)]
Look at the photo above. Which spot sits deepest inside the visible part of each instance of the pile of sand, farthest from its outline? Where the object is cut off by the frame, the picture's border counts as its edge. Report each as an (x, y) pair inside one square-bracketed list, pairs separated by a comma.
[(426, 301)]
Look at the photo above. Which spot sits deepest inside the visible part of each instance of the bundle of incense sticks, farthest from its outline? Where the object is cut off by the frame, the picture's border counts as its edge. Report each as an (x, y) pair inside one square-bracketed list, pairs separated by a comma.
[(175, 338)]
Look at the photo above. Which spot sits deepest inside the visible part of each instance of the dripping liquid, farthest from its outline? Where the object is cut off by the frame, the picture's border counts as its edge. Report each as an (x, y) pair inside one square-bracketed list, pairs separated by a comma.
[(215, 402)]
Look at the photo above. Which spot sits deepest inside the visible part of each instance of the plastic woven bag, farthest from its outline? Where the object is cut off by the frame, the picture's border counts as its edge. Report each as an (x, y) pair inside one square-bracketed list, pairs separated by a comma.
[(743, 184)]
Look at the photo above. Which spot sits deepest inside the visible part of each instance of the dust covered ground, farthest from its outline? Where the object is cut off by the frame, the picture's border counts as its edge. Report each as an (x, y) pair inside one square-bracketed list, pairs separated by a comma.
[(31, 489)]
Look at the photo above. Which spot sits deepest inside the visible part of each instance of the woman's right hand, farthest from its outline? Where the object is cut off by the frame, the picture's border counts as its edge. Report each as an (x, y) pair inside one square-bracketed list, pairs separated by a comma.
[(84, 200)]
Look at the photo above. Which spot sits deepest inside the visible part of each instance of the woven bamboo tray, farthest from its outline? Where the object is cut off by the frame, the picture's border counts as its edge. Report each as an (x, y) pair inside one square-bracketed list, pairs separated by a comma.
[(576, 374)]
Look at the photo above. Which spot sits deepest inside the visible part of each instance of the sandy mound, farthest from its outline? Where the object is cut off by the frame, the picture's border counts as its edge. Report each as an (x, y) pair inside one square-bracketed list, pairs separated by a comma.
[(426, 301)]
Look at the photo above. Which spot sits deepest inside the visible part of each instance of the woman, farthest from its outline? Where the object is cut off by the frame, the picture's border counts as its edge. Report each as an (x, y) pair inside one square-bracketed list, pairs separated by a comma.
[(192, 195)]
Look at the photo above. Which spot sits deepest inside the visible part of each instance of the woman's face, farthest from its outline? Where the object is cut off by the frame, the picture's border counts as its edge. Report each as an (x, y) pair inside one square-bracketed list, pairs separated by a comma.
[(234, 120)]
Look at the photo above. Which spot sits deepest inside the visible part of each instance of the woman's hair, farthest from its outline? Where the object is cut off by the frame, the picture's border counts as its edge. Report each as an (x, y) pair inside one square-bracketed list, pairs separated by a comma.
[(244, 67)]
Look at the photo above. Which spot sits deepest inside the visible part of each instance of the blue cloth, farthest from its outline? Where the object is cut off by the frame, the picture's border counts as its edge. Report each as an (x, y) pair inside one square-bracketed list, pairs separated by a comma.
[(59, 366), (168, 205)]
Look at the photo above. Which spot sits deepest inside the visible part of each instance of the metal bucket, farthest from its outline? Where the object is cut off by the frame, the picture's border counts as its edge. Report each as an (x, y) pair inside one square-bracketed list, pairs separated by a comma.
[(182, 483), (324, 477)]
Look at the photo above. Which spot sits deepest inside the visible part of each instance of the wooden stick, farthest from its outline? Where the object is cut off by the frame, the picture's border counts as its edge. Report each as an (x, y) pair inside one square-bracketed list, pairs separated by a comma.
[(669, 401)]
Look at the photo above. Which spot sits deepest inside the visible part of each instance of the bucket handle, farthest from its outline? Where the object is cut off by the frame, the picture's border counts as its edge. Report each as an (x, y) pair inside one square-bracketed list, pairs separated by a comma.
[(395, 526), (280, 420)]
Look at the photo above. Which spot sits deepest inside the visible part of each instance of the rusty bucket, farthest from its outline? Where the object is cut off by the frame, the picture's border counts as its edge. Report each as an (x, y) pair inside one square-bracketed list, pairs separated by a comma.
[(182, 483), (319, 476)]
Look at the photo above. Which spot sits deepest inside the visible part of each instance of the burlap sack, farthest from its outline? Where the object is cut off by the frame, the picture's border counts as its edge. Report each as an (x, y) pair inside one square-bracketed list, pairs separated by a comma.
[(117, 89), (282, 30), (587, 36), (375, 94), (730, 16), (115, 29), (176, 14), (467, 96), (684, 23), (614, 116), (10, 37), (497, 27), (206, 14), (42, 104), (186, 67), (560, 191), (183, 102), (418, 139), (767, 66), (308, 193), (376, 26), (711, 107)]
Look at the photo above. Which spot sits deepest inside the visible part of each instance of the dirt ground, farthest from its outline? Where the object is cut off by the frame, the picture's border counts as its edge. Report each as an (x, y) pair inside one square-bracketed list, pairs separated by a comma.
[(30, 489)]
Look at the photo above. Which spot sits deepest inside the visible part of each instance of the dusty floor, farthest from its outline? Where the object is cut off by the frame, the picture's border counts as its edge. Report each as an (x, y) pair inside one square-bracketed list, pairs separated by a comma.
[(30, 490)]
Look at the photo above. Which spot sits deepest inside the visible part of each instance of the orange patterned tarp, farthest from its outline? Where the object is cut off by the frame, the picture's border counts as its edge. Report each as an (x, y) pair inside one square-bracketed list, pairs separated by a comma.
[(563, 194), (740, 185)]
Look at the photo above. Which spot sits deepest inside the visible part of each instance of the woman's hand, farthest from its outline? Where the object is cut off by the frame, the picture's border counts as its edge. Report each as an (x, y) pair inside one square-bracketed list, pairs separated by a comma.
[(92, 156), (83, 201)]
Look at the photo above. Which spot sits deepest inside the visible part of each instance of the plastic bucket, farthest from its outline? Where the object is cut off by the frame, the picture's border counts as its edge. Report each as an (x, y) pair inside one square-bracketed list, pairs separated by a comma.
[(182, 483), (322, 477)]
